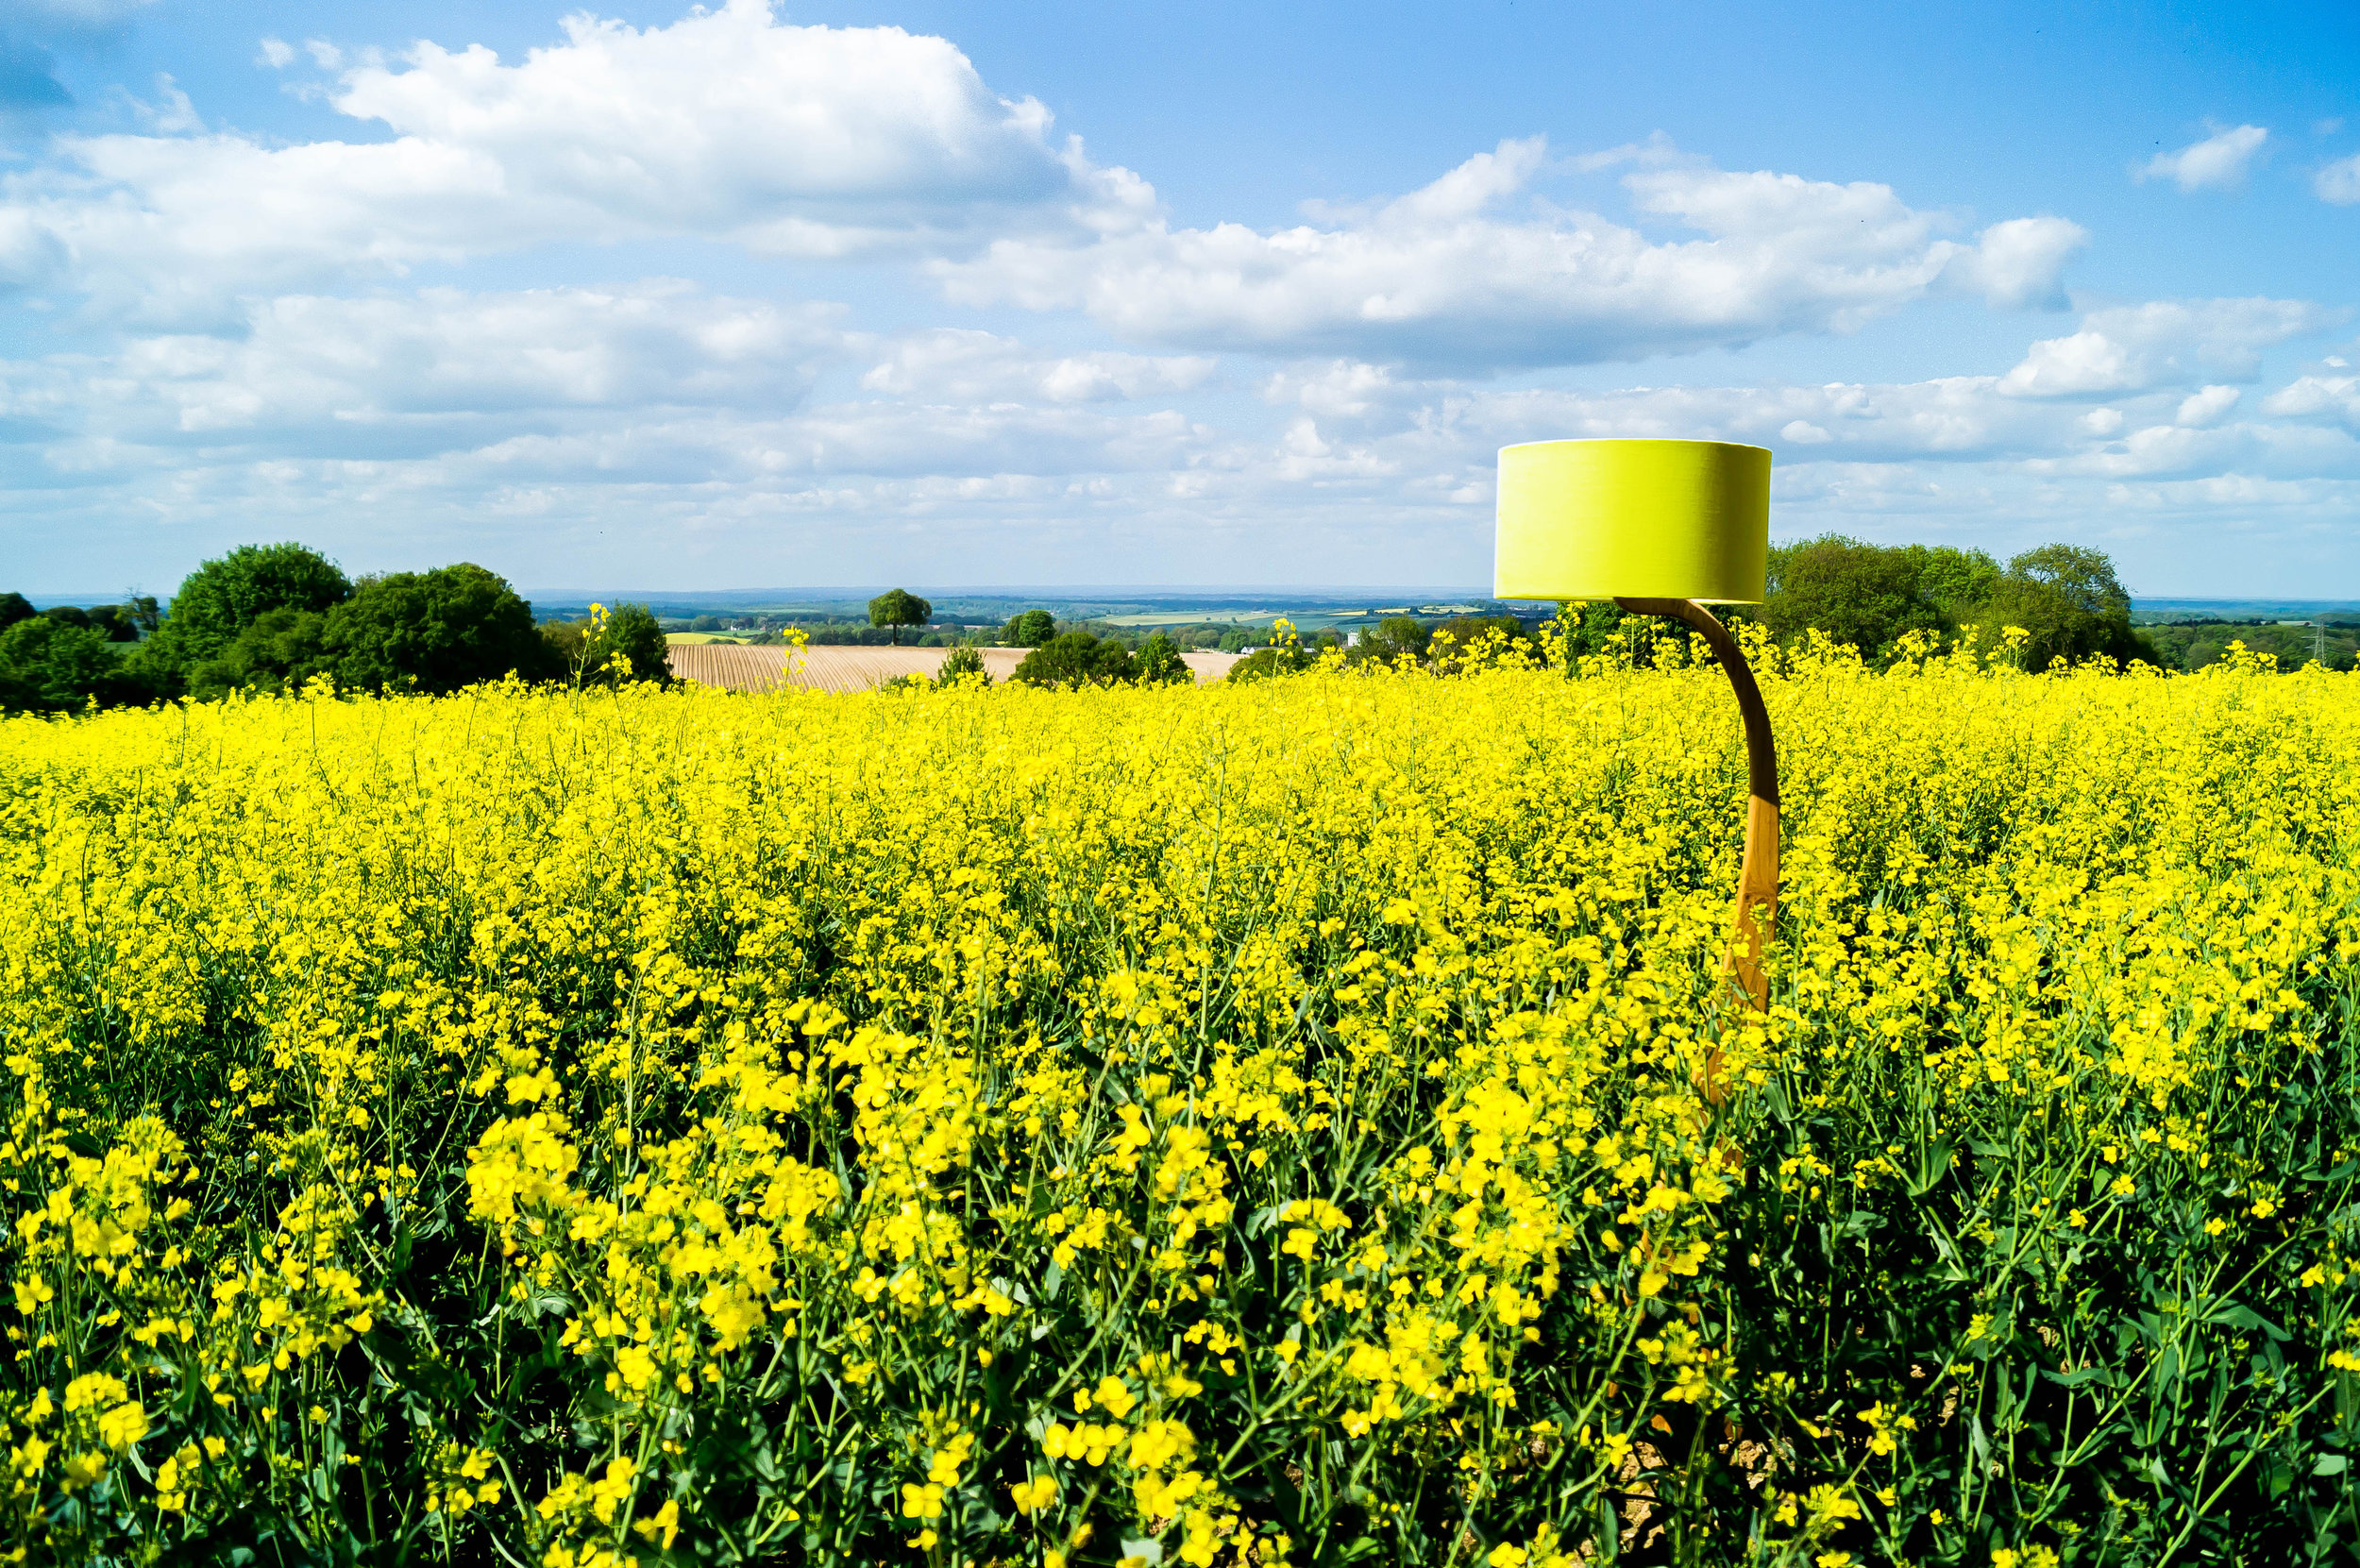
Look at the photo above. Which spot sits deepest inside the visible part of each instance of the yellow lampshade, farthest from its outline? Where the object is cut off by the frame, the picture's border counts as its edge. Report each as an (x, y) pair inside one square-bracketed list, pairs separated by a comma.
[(1633, 519)]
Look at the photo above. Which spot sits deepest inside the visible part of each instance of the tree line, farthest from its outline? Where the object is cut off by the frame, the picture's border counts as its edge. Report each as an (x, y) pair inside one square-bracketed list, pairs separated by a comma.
[(2066, 597), (274, 617)]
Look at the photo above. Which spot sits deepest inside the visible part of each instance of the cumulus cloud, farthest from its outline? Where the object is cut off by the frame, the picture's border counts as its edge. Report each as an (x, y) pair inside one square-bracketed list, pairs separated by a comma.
[(800, 141), (1887, 439), (956, 364), (2339, 182), (2217, 163), (2333, 396), (313, 376), (568, 417), (1474, 269), (2206, 406), (948, 447), (2135, 346), (2019, 264)]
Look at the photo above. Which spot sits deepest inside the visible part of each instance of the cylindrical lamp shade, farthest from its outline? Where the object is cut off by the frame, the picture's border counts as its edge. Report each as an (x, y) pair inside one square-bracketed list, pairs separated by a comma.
[(1633, 519)]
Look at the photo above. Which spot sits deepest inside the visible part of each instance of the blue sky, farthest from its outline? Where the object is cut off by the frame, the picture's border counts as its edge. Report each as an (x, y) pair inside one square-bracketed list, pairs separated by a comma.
[(661, 297)]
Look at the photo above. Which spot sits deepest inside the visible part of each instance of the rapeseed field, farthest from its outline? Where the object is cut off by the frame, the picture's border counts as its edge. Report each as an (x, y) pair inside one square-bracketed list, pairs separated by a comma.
[(1301, 1122)]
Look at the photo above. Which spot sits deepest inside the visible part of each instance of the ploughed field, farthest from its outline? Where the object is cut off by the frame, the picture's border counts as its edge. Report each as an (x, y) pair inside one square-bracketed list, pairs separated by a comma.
[(735, 667), (1298, 1122)]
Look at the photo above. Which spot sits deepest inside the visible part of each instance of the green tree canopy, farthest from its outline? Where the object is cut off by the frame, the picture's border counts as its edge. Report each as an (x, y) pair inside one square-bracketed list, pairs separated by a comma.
[(1161, 664), (632, 631), (435, 632), (2069, 599), (281, 650), (1590, 624), (587, 649), (224, 597), (1956, 583), (897, 608), (14, 608), (1264, 661), (121, 622), (962, 663), (1028, 630), (1864, 596), (47, 665), (1078, 659), (1394, 636)]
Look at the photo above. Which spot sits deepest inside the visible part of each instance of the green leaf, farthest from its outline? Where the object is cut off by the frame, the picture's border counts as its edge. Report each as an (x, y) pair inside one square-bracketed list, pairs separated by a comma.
[(2236, 1315)]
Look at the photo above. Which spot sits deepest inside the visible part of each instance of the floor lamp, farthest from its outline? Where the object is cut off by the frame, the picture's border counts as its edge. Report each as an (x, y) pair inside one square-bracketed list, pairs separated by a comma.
[(1661, 528)]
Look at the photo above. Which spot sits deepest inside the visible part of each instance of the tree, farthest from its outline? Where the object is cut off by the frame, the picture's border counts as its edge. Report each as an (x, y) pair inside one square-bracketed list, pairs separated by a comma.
[(14, 608), (119, 621), (69, 615), (962, 664), (224, 597), (1078, 659), (47, 665), (1858, 595), (1592, 624), (281, 650), (1028, 630), (1958, 584), (2068, 599), (897, 609), (435, 632), (1394, 636), (1161, 664), (588, 650), (1467, 630), (1274, 660)]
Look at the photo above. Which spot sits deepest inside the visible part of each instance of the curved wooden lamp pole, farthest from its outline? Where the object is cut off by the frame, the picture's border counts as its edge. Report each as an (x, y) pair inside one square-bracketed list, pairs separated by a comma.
[(1758, 874)]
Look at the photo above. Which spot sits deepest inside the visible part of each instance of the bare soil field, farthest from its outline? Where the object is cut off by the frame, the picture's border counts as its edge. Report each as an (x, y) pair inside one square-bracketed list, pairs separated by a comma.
[(739, 668)]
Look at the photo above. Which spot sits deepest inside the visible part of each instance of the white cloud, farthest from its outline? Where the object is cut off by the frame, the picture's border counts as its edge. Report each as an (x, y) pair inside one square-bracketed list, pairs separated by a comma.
[(801, 139), (805, 140), (277, 52), (172, 113), (2135, 346), (313, 375), (2206, 406), (556, 425), (2217, 163), (945, 446), (2339, 182), (1350, 388), (2019, 263), (954, 365), (1892, 441), (1450, 275), (2335, 396)]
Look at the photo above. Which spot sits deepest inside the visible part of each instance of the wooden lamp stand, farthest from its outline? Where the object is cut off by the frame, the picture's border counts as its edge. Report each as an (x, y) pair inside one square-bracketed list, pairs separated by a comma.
[(1758, 873)]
